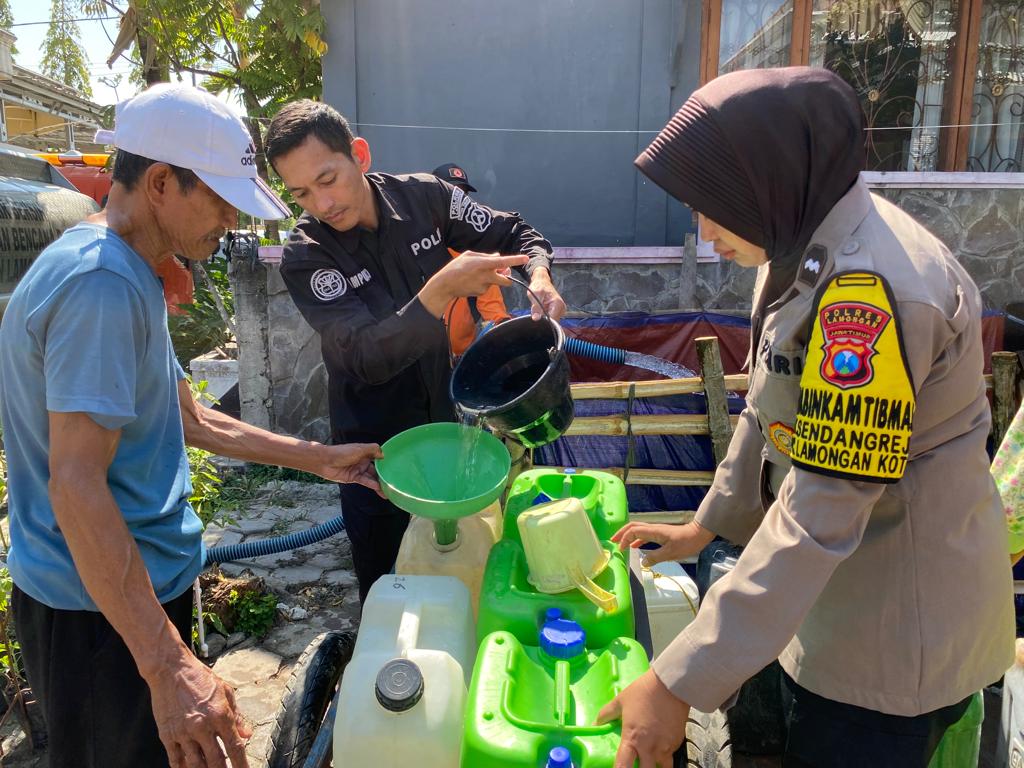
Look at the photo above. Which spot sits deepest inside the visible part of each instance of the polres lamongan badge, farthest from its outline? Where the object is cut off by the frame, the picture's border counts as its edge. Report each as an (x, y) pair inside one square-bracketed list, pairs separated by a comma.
[(856, 410)]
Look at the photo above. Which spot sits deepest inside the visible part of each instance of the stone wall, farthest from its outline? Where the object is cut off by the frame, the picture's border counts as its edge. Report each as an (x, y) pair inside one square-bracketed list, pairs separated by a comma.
[(637, 287), (601, 288), (984, 227)]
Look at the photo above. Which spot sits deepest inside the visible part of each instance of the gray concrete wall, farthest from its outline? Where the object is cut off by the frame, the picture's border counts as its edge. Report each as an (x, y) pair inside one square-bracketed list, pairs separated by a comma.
[(983, 227), (545, 104)]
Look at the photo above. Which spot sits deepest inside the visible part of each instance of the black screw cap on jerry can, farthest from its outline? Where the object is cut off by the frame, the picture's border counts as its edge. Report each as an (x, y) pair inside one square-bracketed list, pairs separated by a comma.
[(516, 378), (399, 685)]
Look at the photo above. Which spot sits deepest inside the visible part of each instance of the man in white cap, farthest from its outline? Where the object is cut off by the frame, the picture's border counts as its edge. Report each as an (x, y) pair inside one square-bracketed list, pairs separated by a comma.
[(96, 414)]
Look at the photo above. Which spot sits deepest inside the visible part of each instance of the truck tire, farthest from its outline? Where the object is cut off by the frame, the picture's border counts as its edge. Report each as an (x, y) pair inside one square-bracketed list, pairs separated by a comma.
[(707, 742), (311, 687)]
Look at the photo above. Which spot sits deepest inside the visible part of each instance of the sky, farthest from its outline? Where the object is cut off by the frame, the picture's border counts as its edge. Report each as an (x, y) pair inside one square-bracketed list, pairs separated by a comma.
[(93, 37)]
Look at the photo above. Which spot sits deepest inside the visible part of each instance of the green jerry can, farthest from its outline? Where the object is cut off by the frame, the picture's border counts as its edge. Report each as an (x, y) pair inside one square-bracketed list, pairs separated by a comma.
[(509, 602), (603, 497), (534, 707), (961, 744)]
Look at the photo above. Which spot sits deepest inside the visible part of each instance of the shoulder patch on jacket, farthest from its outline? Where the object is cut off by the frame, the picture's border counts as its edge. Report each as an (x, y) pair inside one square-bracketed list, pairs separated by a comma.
[(857, 401), (328, 284), (781, 436), (815, 259), (457, 207), (463, 208)]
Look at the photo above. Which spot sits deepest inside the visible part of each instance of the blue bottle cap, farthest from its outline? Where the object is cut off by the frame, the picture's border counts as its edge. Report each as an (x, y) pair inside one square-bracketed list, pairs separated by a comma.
[(562, 639), (568, 471), (559, 757)]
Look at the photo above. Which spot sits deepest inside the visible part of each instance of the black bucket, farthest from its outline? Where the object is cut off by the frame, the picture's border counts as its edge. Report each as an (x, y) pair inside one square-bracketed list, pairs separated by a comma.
[(516, 378)]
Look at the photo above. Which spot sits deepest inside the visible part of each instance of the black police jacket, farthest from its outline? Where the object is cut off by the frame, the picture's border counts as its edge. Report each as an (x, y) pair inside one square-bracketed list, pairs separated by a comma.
[(386, 356)]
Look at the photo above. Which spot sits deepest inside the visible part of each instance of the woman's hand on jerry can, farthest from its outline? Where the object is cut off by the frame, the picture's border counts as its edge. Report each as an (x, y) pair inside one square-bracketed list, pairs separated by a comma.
[(676, 542)]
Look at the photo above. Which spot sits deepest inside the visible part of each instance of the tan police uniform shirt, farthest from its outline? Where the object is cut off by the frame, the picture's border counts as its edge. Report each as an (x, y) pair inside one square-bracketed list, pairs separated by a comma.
[(875, 569)]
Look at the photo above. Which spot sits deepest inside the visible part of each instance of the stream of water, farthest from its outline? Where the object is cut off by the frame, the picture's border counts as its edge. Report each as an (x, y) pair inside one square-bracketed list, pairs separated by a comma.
[(659, 365), (465, 465)]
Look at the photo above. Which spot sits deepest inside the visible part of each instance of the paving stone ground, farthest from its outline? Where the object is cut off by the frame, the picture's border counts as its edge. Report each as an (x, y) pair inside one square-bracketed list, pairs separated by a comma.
[(318, 579)]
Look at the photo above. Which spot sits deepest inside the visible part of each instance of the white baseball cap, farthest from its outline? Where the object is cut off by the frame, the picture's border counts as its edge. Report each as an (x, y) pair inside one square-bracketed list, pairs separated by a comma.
[(188, 127)]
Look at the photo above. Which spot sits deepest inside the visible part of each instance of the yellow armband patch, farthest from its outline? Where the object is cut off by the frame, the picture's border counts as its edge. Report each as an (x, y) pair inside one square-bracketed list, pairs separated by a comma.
[(856, 397)]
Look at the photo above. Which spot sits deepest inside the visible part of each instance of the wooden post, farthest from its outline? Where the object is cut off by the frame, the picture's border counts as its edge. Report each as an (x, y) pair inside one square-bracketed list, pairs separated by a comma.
[(710, 38), (1004, 393), (719, 424)]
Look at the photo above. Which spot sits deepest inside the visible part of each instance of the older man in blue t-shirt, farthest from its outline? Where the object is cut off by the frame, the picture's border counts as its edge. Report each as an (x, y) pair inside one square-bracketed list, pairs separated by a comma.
[(104, 544)]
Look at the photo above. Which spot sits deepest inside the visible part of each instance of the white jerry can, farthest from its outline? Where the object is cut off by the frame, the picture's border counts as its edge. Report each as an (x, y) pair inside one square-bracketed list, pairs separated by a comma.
[(403, 694)]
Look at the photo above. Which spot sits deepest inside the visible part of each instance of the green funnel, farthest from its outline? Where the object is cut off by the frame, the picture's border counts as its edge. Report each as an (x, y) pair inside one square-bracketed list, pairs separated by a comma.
[(443, 471)]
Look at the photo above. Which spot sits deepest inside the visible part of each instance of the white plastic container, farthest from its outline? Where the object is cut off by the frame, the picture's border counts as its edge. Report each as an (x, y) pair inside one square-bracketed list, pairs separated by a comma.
[(494, 518), (672, 599), (420, 554), (562, 551), (403, 694)]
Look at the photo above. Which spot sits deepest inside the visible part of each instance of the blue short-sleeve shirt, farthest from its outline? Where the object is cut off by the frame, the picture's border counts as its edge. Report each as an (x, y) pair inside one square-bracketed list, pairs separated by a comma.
[(86, 331)]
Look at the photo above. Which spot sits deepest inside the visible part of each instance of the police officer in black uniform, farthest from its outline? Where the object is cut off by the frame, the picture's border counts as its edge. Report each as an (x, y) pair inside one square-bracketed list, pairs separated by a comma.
[(368, 267)]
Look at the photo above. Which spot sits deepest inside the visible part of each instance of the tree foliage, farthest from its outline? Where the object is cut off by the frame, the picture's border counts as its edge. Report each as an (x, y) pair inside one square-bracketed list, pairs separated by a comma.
[(64, 58), (267, 50), (7, 19)]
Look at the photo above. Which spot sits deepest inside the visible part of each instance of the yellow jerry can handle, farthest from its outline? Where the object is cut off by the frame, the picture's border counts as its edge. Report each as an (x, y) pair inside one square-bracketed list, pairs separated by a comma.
[(602, 598)]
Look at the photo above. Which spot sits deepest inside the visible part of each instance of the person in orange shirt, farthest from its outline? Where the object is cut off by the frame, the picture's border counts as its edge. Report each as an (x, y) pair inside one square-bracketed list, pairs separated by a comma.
[(468, 316)]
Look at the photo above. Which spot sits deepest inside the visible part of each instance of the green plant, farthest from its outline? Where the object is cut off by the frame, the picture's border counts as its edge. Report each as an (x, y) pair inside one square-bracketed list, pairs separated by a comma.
[(206, 481), (238, 489), (12, 672), (10, 651), (205, 484), (255, 612), (263, 474), (277, 183), (3, 480), (242, 487), (7, 19), (10, 666), (211, 620), (201, 329), (283, 524)]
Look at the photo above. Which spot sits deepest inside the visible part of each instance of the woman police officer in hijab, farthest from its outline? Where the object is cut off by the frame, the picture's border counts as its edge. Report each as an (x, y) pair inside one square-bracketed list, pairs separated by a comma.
[(857, 479)]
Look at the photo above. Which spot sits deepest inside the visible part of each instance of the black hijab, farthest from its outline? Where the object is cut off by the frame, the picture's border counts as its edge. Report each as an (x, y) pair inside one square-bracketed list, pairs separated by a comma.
[(765, 153)]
